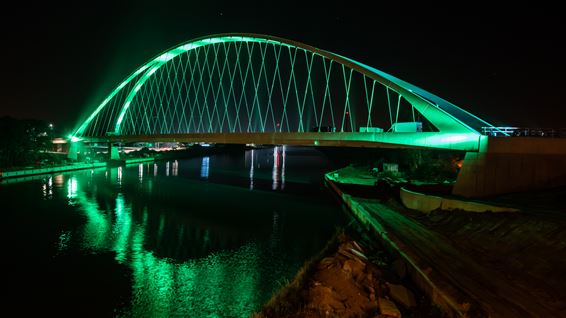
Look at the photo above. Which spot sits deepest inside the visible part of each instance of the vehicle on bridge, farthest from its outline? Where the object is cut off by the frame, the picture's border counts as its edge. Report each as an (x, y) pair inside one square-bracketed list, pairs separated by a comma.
[(324, 129)]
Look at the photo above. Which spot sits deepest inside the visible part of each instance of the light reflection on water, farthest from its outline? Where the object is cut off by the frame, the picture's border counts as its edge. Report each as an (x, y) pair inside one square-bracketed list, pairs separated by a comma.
[(195, 245), (204, 167)]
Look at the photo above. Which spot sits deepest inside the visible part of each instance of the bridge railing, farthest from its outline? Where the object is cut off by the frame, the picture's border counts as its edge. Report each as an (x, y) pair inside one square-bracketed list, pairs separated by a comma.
[(524, 132)]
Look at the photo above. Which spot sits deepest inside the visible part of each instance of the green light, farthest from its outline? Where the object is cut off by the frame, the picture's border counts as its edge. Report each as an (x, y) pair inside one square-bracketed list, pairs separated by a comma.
[(82, 128), (159, 283), (141, 69), (165, 57), (213, 40), (188, 47), (153, 70), (157, 110)]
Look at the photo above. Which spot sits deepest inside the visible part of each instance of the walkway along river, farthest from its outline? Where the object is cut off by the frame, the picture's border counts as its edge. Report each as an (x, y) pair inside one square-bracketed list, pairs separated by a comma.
[(208, 236)]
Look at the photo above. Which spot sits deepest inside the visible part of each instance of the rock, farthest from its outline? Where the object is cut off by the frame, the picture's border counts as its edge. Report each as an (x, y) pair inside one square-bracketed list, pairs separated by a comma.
[(388, 308), (354, 268), (328, 262), (402, 295), (324, 298), (400, 268)]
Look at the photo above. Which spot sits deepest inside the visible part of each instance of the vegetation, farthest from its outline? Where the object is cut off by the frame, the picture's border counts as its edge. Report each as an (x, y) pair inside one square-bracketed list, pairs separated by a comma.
[(24, 141), (431, 165)]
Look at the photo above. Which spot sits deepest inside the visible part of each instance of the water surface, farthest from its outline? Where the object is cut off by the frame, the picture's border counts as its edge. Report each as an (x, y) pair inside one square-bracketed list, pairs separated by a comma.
[(204, 237)]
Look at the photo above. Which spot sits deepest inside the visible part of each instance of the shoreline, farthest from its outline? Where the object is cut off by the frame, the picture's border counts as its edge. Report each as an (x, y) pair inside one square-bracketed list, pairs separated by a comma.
[(4, 175), (463, 263), (487, 264), (348, 278)]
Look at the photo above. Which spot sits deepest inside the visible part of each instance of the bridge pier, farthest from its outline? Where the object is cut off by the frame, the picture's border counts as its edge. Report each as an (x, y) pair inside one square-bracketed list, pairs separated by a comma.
[(113, 152), (77, 151), (514, 164)]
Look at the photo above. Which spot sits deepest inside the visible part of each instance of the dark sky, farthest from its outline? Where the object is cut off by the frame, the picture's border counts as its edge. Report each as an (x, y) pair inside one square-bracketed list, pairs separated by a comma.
[(504, 64)]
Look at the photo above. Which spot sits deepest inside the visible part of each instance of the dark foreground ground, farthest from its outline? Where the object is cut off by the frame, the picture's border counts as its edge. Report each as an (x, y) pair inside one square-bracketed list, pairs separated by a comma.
[(352, 277), (492, 264)]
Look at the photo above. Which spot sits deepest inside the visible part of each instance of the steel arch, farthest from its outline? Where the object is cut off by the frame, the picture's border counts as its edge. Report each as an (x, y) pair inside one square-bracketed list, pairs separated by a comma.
[(448, 118)]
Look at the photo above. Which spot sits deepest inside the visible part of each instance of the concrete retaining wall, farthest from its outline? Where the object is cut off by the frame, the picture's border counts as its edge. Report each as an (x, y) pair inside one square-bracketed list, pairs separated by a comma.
[(487, 174), (427, 203), (515, 164), (139, 160), (29, 172)]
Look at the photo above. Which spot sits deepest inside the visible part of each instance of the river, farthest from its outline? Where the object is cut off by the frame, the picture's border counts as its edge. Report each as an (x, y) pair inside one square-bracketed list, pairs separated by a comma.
[(212, 236)]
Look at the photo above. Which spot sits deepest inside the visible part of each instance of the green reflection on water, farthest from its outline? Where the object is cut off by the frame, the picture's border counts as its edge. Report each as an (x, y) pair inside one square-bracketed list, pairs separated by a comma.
[(224, 283)]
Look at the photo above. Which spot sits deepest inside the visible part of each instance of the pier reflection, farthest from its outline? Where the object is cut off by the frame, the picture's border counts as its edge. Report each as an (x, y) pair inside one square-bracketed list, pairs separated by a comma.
[(147, 241), (205, 165), (278, 171), (192, 242)]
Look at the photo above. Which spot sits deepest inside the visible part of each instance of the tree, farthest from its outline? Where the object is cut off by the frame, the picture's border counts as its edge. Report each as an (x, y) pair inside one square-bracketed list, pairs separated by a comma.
[(21, 140)]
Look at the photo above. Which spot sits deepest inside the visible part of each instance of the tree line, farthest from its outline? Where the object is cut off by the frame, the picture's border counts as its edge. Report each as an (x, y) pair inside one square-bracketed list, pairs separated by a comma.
[(23, 141)]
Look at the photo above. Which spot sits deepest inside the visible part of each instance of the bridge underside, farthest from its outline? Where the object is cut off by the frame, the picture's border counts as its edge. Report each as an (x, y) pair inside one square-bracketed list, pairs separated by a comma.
[(455, 141)]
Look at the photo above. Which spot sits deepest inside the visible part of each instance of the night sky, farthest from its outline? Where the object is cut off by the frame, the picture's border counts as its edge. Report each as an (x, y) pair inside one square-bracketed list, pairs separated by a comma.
[(505, 65)]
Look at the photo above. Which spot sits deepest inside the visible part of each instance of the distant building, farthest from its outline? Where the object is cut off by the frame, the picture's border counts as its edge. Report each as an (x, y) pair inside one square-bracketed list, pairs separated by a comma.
[(59, 145), (390, 167)]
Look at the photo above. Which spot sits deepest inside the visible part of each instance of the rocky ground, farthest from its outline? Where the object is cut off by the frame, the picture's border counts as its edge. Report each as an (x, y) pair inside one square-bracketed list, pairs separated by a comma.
[(350, 280), (520, 256), (508, 265)]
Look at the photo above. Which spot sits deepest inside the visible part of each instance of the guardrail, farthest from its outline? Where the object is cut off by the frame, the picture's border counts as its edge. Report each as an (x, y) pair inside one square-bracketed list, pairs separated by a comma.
[(524, 132)]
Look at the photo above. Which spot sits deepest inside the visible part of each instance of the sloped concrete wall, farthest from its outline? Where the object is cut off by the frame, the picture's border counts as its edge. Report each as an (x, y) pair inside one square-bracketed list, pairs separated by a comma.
[(514, 164), (427, 203), (419, 201)]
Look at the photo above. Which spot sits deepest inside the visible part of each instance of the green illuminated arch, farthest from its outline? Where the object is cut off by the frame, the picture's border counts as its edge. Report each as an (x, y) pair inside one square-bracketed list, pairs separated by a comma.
[(446, 117)]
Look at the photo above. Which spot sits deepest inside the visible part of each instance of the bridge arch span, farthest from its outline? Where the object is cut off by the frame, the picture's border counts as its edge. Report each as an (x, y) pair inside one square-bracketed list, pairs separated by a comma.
[(252, 83)]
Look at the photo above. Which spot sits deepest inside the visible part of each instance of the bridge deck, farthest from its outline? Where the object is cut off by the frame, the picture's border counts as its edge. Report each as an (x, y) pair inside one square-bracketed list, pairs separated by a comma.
[(453, 141)]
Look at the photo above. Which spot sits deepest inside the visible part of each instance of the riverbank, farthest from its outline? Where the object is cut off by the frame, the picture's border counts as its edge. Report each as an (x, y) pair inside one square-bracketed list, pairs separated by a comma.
[(141, 156), (44, 170), (476, 264), (464, 264), (68, 167), (349, 279)]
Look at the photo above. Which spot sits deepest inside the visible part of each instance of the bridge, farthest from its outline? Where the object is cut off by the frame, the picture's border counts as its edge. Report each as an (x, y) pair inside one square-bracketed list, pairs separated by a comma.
[(261, 89)]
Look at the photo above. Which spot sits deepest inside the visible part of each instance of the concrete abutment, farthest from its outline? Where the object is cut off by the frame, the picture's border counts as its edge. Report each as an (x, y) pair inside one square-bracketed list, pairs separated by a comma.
[(513, 164)]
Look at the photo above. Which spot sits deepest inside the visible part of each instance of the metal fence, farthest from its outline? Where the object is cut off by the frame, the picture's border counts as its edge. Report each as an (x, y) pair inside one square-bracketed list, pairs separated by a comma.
[(524, 132)]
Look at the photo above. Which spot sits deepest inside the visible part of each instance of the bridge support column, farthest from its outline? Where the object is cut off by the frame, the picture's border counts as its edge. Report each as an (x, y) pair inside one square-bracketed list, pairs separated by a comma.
[(77, 151), (513, 164), (113, 152)]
